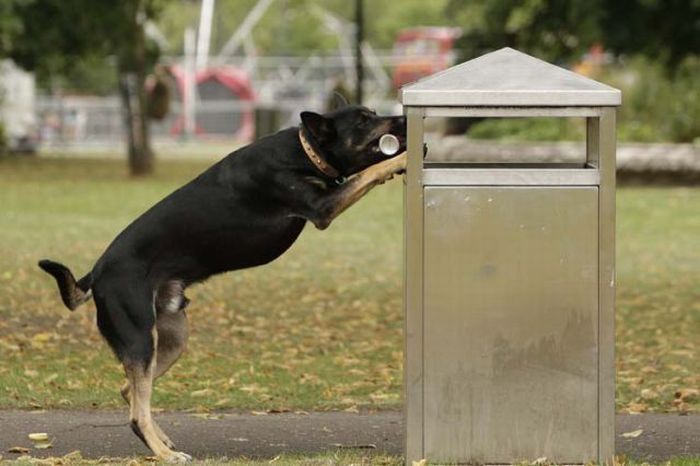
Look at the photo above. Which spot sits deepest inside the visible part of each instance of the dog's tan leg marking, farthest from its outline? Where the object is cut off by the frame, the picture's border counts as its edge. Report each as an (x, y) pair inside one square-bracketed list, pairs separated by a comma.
[(359, 185), (140, 379), (126, 394), (173, 331)]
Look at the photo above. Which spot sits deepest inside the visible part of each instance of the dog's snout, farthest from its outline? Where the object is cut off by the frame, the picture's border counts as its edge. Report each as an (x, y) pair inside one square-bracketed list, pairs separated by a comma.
[(400, 124)]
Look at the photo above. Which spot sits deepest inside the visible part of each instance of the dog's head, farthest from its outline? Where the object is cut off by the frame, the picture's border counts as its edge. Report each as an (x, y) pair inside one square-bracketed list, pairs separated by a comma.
[(349, 136)]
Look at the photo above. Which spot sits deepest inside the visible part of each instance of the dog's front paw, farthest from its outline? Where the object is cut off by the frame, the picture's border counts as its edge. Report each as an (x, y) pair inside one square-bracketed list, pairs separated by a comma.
[(400, 162), (178, 457), (394, 166)]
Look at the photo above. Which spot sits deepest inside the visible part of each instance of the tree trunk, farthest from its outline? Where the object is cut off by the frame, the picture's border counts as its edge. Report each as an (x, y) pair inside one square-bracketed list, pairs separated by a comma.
[(132, 79), (137, 124)]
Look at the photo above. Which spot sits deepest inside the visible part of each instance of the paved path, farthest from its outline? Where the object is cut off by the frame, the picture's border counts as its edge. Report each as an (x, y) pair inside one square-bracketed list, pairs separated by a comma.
[(105, 433)]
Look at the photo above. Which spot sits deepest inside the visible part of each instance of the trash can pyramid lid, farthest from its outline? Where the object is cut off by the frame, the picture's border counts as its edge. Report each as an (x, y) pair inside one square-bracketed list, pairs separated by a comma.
[(508, 78)]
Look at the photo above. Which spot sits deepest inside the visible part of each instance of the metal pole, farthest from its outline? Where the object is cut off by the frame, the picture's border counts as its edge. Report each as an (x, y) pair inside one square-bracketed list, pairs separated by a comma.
[(190, 85), (413, 289), (204, 33), (359, 37), (245, 28), (604, 133)]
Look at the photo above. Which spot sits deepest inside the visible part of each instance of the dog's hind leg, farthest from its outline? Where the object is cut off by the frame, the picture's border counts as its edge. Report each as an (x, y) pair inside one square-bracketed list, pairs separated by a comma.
[(141, 381), (172, 328), (126, 318)]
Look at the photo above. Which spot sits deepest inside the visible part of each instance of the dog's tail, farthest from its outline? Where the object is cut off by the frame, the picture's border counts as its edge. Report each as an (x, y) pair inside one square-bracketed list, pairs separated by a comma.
[(73, 293)]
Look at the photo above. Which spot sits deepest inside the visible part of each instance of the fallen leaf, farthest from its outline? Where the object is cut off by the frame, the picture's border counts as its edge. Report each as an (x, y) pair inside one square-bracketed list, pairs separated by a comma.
[(18, 450), (681, 406), (203, 392), (682, 352), (212, 416), (278, 410), (686, 394), (366, 446), (38, 436), (633, 434), (636, 408), (422, 462), (41, 337), (75, 455)]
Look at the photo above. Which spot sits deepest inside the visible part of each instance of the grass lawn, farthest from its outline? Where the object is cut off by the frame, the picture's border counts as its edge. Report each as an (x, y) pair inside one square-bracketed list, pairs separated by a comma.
[(321, 327)]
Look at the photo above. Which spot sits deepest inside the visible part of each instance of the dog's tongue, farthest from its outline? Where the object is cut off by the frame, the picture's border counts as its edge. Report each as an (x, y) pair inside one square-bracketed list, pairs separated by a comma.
[(389, 144)]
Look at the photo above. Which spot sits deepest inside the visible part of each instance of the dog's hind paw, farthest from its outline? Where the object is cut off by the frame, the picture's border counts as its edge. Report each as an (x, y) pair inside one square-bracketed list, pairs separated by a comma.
[(178, 457)]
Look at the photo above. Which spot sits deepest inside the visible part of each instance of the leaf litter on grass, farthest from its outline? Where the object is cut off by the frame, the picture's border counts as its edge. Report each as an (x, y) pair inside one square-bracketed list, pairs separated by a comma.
[(321, 327)]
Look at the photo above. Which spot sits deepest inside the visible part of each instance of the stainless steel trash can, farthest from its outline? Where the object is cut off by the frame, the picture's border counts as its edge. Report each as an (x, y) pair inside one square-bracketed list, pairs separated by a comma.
[(509, 279)]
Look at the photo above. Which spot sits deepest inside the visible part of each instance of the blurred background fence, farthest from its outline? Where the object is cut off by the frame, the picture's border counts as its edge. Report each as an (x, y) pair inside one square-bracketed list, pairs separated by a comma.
[(227, 98)]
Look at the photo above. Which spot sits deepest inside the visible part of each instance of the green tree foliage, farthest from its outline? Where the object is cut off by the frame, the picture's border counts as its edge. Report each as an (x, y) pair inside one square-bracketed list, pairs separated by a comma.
[(57, 37), (664, 30), (657, 106), (57, 58), (10, 25), (385, 19), (555, 30), (561, 30)]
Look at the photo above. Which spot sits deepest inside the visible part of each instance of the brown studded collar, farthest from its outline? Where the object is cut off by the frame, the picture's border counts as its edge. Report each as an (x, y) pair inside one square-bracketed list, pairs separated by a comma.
[(316, 158)]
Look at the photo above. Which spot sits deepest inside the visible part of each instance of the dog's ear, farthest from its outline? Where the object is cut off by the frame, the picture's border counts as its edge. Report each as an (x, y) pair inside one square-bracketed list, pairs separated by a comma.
[(339, 100), (320, 127)]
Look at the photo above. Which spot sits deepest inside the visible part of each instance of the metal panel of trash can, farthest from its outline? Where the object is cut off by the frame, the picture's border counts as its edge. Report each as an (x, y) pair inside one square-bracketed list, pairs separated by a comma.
[(510, 323)]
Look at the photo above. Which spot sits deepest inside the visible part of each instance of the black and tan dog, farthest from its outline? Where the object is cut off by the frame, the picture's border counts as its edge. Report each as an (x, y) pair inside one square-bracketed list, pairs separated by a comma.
[(242, 212)]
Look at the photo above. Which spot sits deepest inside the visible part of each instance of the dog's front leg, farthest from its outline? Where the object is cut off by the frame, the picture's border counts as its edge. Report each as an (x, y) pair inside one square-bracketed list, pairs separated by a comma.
[(337, 201)]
